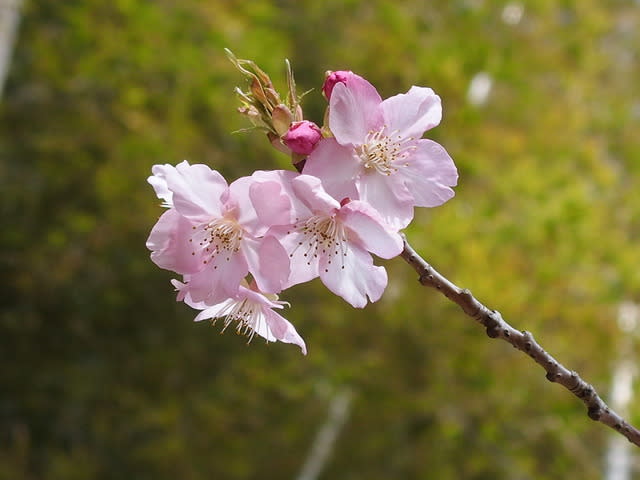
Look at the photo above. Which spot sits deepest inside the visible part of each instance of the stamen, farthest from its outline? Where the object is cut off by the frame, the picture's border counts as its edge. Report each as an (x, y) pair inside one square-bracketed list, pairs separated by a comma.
[(247, 314), (323, 235), (219, 236), (385, 153)]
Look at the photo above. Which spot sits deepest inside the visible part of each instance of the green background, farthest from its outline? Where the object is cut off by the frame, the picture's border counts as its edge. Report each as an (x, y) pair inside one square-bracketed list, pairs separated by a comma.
[(104, 376)]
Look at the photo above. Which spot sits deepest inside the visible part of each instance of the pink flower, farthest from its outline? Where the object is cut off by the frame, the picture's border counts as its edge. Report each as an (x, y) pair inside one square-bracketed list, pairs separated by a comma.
[(211, 233), (251, 311), (333, 240), (378, 156), (302, 137)]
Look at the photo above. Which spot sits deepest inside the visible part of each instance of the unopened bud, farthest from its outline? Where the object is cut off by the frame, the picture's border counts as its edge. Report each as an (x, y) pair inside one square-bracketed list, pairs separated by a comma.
[(302, 137), (341, 76)]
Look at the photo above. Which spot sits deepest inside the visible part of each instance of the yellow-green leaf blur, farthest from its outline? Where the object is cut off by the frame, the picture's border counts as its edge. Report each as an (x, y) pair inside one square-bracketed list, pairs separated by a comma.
[(105, 376)]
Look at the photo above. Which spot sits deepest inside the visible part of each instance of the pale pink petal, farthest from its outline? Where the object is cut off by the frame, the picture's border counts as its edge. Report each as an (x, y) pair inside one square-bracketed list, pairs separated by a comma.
[(282, 177), (261, 326), (304, 265), (236, 204), (183, 294), (389, 196), (411, 114), (355, 278), (283, 330), (163, 232), (354, 111), (159, 183), (214, 311), (271, 204), (219, 280), (273, 213), (268, 263), (309, 190), (169, 245), (222, 308), (196, 190), (262, 200), (336, 166), (372, 232), (430, 174), (179, 286)]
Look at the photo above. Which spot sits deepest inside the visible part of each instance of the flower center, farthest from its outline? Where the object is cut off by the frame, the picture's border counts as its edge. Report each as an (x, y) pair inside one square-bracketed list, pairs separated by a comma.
[(221, 236), (323, 235), (246, 313), (384, 153)]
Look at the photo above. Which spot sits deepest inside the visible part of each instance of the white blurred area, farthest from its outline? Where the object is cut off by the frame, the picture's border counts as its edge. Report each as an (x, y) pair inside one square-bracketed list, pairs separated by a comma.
[(479, 89), (618, 462), (9, 20), (512, 13)]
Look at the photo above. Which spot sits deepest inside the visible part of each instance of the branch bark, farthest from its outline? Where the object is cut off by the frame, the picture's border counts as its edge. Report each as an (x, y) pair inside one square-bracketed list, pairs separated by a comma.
[(497, 327)]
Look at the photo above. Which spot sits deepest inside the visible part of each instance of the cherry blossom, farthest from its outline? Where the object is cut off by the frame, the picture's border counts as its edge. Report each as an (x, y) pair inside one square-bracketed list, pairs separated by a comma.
[(211, 233), (333, 240), (250, 310), (377, 154)]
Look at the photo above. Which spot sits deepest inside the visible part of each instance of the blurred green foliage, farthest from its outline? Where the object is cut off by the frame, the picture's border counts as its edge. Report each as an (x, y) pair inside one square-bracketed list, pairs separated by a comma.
[(104, 375)]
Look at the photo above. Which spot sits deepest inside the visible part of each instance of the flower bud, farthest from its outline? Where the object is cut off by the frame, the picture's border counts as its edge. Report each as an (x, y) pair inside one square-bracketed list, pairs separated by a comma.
[(302, 137), (341, 76)]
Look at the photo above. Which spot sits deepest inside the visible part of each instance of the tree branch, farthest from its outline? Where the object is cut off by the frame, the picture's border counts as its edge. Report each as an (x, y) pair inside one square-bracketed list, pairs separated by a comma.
[(497, 327)]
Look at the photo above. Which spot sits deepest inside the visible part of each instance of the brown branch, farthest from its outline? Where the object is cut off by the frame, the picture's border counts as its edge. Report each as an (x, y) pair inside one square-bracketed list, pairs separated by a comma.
[(497, 327)]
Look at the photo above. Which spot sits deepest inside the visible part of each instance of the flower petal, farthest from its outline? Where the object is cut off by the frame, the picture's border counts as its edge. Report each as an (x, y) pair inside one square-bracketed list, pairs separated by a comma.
[(268, 263), (429, 175), (271, 203), (371, 230), (389, 196), (159, 183), (196, 190), (355, 278), (353, 112), (412, 113), (283, 330), (217, 310), (304, 265), (336, 166), (169, 245), (219, 280), (310, 191)]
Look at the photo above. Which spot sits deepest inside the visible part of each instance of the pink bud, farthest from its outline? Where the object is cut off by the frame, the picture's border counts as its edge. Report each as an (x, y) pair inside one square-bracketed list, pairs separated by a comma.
[(302, 137), (341, 76)]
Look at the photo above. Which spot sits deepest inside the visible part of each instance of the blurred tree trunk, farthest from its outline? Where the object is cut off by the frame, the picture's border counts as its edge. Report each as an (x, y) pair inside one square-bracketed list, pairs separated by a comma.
[(9, 19)]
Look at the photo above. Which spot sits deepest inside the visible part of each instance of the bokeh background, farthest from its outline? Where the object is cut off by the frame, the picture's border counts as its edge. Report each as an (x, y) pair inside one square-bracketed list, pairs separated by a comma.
[(104, 376)]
